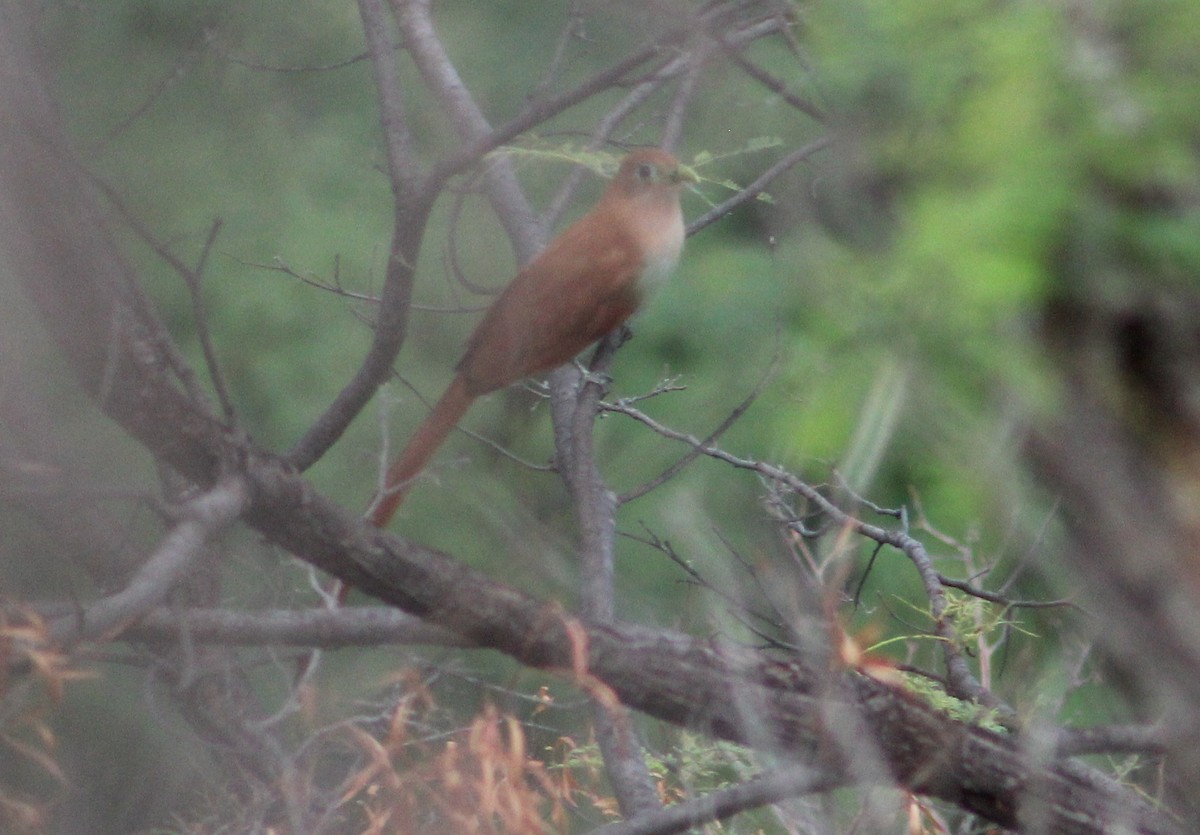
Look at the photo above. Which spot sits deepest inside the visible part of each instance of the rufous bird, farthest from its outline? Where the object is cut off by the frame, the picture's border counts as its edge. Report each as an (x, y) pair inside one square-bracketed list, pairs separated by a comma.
[(589, 280)]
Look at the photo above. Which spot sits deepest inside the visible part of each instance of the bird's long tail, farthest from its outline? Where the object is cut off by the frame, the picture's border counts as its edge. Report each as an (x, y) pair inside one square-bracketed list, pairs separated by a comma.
[(421, 446)]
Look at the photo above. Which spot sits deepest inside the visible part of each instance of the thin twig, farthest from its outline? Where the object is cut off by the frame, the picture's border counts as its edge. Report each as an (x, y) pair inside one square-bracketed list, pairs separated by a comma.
[(452, 230), (304, 68), (334, 287), (194, 279), (733, 417), (771, 82), (664, 547), (759, 185), (137, 298), (495, 446), (190, 58), (991, 597)]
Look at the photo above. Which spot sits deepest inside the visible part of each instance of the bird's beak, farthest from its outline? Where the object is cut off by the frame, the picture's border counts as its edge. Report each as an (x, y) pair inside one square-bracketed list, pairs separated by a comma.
[(684, 174)]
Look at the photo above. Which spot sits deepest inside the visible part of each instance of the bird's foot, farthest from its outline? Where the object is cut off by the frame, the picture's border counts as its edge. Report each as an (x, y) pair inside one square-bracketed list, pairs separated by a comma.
[(598, 378)]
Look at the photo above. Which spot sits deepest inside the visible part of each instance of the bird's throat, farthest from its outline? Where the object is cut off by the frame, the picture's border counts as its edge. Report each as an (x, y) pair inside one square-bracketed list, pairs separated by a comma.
[(662, 244)]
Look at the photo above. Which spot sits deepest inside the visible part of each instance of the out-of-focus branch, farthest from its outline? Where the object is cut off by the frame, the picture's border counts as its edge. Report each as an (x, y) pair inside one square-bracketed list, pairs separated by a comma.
[(323, 628), (202, 519), (1113, 739), (782, 784), (1121, 453), (776, 85)]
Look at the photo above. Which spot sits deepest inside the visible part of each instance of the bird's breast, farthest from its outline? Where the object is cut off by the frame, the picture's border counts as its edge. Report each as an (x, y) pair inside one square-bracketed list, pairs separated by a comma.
[(661, 253)]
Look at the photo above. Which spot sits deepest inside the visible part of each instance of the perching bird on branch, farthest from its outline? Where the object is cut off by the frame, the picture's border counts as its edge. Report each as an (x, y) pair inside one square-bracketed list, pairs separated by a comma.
[(588, 281)]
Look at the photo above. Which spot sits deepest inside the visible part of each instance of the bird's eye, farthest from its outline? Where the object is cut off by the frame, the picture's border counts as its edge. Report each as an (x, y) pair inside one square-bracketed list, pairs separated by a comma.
[(645, 171)]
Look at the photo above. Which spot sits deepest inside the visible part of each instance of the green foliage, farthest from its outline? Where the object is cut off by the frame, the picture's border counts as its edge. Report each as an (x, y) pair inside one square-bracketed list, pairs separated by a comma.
[(601, 163), (694, 766), (956, 709), (703, 159)]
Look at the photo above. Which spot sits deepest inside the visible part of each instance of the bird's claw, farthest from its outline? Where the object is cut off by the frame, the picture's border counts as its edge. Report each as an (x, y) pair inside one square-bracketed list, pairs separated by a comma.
[(598, 378)]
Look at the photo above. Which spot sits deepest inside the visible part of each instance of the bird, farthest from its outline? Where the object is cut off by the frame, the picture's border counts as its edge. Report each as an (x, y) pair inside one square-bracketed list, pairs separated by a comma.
[(590, 278)]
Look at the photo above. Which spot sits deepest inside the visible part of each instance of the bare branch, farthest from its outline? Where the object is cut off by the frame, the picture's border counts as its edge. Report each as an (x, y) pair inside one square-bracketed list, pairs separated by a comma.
[(397, 138), (774, 84), (413, 202), (595, 507), (733, 417), (1113, 739), (324, 628), (203, 518), (441, 76)]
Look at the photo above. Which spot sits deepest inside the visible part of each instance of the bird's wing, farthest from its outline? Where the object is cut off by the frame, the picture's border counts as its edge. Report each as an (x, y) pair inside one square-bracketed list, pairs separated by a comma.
[(581, 287)]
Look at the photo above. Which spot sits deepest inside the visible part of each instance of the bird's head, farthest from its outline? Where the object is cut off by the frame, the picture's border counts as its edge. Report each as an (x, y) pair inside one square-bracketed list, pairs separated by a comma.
[(650, 170)]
